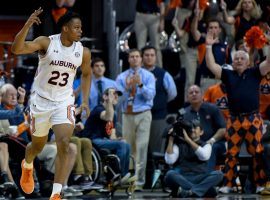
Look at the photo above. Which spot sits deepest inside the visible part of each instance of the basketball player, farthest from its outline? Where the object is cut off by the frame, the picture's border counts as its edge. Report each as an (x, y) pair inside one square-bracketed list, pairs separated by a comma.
[(52, 100)]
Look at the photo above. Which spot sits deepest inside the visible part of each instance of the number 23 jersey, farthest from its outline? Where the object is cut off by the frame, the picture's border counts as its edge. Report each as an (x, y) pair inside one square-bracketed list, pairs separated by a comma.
[(57, 69)]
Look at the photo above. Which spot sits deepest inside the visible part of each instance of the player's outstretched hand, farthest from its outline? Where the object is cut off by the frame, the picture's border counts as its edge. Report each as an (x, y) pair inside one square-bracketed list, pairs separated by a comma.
[(34, 19)]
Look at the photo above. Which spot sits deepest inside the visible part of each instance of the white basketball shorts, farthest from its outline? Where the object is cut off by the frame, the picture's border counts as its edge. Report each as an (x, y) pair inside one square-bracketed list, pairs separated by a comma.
[(46, 113)]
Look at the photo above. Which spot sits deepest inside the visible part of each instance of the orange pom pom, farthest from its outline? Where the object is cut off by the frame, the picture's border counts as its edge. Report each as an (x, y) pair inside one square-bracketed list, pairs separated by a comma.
[(203, 4), (255, 38)]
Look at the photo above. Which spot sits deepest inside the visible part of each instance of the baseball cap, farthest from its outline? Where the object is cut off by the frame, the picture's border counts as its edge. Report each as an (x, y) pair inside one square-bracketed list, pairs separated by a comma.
[(106, 92)]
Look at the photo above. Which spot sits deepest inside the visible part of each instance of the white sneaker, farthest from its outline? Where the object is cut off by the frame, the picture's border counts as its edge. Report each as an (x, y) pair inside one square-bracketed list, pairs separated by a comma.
[(125, 178), (259, 189), (71, 192), (225, 190)]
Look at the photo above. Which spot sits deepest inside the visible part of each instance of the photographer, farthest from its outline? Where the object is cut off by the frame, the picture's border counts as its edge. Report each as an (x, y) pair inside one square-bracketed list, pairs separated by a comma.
[(190, 176), (212, 121)]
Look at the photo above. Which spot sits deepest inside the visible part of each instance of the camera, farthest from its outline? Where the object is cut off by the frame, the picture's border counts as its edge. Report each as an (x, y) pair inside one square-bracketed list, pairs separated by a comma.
[(179, 126)]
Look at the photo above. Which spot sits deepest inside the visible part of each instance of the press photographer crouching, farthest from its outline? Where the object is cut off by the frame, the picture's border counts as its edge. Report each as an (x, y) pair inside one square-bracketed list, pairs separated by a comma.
[(190, 176)]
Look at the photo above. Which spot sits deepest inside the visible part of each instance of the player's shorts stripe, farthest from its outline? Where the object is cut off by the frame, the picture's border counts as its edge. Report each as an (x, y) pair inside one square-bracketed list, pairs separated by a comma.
[(71, 113), (33, 127)]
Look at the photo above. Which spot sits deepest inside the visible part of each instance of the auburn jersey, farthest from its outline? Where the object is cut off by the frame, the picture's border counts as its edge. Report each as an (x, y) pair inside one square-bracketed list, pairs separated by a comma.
[(216, 94), (56, 70)]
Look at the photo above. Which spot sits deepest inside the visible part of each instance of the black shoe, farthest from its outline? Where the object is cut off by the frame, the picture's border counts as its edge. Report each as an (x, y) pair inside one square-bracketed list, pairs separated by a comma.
[(15, 193), (183, 193), (78, 181), (33, 195), (4, 177), (211, 193), (5, 183), (88, 184), (2, 197)]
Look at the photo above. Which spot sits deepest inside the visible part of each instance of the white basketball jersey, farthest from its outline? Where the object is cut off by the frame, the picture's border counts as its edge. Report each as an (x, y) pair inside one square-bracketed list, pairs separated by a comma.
[(56, 70)]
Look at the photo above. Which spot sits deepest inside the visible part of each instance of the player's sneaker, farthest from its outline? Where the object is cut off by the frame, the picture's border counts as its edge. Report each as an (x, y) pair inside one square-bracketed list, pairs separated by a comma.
[(27, 179), (55, 197)]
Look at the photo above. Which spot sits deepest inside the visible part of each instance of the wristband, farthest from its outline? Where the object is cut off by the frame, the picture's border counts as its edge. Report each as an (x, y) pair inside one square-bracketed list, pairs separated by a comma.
[(208, 46)]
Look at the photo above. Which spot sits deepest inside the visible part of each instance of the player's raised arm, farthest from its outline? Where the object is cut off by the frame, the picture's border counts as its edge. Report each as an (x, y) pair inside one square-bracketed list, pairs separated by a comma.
[(20, 46)]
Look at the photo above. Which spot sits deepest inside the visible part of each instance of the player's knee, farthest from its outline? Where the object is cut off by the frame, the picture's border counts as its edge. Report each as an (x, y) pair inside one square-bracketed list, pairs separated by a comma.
[(63, 146)]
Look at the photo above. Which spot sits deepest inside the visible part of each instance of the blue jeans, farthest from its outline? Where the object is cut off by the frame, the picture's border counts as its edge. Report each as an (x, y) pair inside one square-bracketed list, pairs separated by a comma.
[(218, 149), (199, 184), (120, 148)]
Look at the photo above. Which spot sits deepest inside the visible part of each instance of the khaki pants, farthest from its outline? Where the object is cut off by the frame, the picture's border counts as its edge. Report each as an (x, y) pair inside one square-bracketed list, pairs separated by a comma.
[(147, 25), (136, 131), (83, 163)]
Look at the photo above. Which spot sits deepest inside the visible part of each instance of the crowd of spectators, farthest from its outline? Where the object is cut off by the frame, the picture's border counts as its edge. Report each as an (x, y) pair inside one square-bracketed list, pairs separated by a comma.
[(224, 112)]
